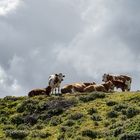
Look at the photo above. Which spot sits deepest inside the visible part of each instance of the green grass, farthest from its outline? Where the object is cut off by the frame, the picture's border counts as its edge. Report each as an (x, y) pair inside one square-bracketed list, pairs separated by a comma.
[(71, 117)]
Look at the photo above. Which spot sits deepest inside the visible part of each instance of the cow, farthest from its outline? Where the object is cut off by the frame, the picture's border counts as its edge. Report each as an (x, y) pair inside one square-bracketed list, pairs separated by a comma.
[(44, 91), (75, 87), (67, 89), (105, 87), (125, 79), (120, 84), (92, 88), (55, 82), (109, 86)]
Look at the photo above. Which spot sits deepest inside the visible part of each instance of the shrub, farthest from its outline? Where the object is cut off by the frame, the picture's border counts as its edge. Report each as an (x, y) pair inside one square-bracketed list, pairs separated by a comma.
[(45, 117), (96, 123), (40, 134), (85, 98), (119, 107), (8, 127), (76, 116), (92, 96), (79, 138), (28, 105), (55, 112), (117, 131), (39, 126), (54, 107), (69, 123), (96, 118), (130, 136), (61, 137), (4, 113), (55, 121), (137, 126), (4, 120), (106, 123), (111, 103), (23, 127), (17, 119), (57, 104), (30, 119), (116, 125), (44, 134), (100, 95), (16, 134), (90, 133), (131, 112), (64, 128), (112, 114), (13, 104), (92, 110), (11, 98)]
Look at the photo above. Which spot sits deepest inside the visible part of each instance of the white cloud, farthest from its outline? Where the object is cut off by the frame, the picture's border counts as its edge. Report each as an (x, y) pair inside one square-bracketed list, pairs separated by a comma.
[(100, 48), (9, 84), (92, 57), (7, 6)]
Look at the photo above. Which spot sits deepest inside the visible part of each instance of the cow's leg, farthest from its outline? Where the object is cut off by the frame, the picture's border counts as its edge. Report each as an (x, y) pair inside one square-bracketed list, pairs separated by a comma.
[(123, 89), (58, 90), (55, 91), (52, 91), (128, 84)]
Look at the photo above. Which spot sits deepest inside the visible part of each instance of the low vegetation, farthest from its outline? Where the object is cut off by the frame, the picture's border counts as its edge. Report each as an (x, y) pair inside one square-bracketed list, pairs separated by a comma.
[(87, 116)]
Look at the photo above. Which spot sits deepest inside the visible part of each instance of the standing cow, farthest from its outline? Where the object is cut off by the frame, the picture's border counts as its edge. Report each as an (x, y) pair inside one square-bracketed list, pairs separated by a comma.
[(126, 80), (55, 82)]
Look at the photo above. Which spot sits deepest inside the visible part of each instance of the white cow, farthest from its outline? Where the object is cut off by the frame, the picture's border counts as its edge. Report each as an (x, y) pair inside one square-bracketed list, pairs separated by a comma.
[(55, 81)]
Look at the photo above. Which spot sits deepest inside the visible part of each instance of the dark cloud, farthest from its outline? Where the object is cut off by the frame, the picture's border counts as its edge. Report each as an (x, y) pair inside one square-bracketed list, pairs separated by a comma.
[(82, 39)]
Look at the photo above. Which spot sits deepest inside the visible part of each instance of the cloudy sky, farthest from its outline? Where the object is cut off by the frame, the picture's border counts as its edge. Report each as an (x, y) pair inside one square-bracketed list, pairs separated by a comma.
[(81, 38)]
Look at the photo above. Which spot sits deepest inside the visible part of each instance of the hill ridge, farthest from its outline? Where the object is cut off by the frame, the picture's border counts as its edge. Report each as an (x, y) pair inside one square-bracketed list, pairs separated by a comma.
[(96, 115)]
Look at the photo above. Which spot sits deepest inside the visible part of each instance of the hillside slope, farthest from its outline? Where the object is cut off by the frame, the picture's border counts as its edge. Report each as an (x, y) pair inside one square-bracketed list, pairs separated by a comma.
[(76, 116)]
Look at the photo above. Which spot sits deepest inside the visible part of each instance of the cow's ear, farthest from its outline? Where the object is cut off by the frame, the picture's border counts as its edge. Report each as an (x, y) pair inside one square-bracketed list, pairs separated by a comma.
[(56, 74)]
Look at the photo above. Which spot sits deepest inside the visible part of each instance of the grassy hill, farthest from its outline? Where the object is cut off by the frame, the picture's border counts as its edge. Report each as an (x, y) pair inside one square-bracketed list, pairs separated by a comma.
[(87, 116)]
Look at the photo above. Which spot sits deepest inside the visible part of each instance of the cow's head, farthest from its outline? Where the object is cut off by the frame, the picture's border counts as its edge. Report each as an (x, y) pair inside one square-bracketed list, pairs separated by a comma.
[(61, 76), (110, 85)]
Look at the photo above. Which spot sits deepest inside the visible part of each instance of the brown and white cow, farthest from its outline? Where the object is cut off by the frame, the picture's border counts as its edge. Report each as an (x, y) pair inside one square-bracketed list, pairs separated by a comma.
[(55, 82), (75, 87), (120, 84), (67, 89), (105, 87), (97, 87), (44, 91), (125, 79), (109, 86)]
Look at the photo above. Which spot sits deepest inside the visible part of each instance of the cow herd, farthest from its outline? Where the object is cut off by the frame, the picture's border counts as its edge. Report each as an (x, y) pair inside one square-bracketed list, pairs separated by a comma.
[(110, 82)]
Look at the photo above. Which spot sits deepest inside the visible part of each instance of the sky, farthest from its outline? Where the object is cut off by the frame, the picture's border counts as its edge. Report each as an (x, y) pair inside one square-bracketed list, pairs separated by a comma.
[(82, 39)]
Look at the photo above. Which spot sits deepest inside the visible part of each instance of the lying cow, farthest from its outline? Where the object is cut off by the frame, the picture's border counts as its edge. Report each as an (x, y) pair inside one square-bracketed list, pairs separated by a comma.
[(75, 87), (35, 92), (105, 87), (55, 81), (67, 89), (125, 79)]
